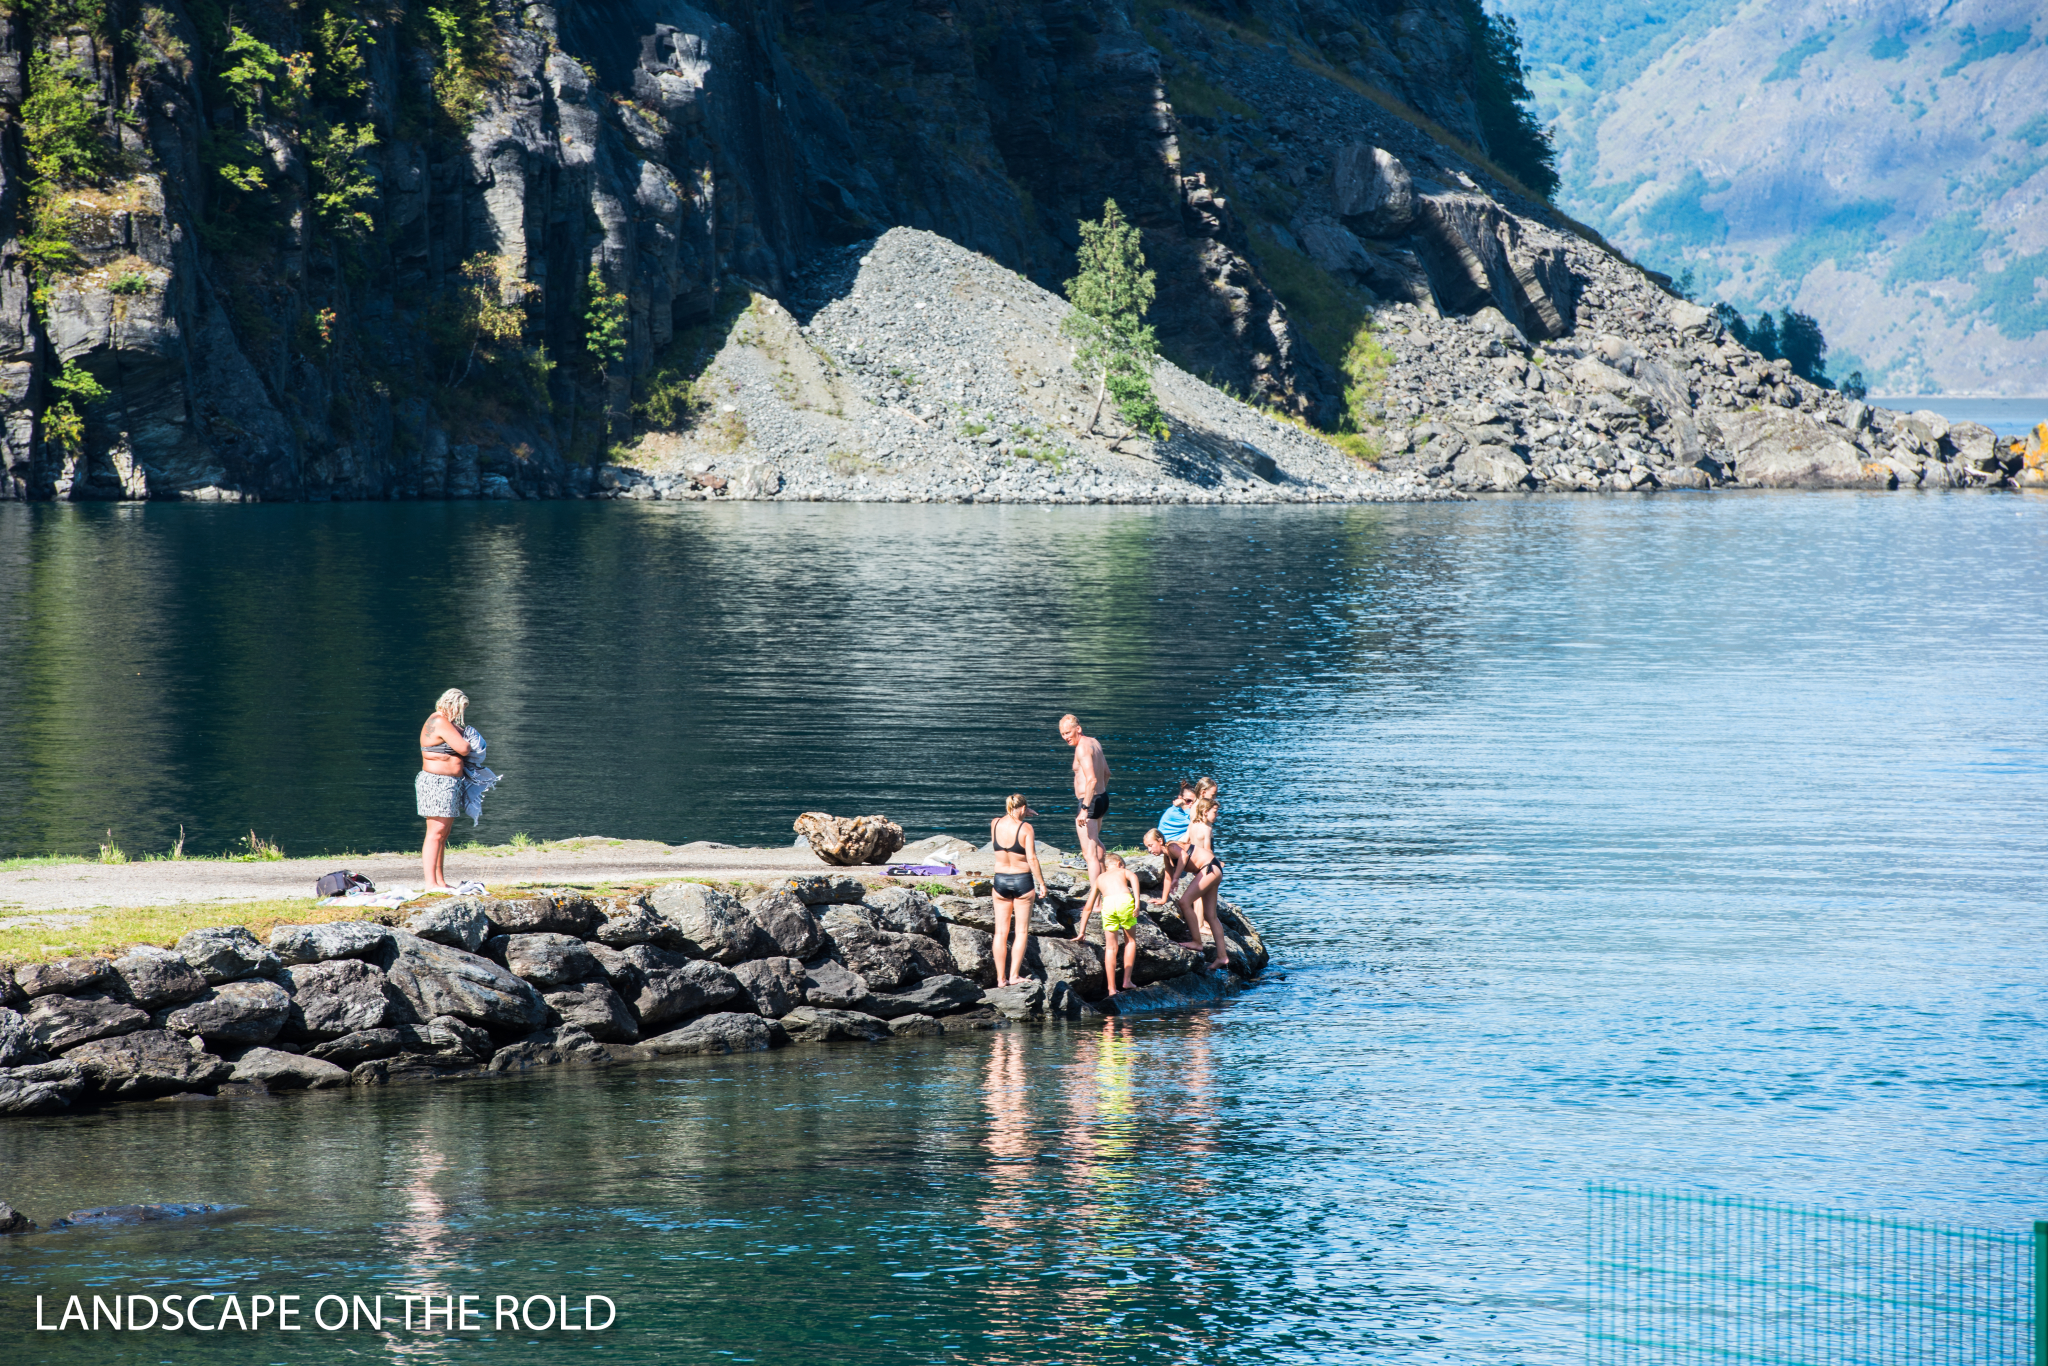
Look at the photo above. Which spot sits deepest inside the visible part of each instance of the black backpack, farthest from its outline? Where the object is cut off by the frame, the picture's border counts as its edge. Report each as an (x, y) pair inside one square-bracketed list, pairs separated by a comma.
[(341, 883)]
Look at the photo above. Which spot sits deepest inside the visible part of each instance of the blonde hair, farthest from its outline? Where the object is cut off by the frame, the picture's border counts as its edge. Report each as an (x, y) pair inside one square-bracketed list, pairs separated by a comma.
[(1205, 811), (1205, 787), (453, 704), (1113, 857), (1015, 802)]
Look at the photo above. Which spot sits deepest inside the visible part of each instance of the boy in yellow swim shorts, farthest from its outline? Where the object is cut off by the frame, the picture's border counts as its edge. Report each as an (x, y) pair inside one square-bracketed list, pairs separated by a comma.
[(1115, 890)]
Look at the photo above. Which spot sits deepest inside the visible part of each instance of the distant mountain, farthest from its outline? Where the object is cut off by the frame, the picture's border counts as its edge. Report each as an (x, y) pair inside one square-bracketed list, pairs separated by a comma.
[(1879, 164)]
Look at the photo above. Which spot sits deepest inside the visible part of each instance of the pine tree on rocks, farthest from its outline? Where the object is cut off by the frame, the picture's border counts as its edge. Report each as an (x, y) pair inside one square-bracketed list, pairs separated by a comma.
[(1113, 346)]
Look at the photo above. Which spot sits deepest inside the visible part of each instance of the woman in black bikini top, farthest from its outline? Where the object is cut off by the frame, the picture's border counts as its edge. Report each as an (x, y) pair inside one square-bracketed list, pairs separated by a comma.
[(1198, 901), (1018, 880)]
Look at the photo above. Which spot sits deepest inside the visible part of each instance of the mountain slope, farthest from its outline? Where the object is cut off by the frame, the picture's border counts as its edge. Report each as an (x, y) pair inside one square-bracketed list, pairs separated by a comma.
[(1881, 165)]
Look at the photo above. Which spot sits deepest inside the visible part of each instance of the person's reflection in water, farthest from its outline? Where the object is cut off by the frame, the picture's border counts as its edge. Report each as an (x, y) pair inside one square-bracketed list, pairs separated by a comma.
[(1007, 1214), (425, 1257), (1109, 1164)]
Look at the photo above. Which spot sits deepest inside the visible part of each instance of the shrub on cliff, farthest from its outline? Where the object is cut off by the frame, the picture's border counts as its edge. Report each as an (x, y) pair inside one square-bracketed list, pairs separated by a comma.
[(1114, 347)]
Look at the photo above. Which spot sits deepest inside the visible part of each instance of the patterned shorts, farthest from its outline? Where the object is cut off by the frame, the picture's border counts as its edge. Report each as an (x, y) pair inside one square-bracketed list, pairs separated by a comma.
[(439, 794)]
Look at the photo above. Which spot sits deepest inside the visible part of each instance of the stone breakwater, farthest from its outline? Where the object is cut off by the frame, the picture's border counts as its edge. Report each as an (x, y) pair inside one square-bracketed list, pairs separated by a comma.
[(475, 986)]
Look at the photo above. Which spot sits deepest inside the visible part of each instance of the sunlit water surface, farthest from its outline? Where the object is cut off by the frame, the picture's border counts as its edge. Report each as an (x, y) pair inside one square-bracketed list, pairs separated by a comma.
[(1694, 842)]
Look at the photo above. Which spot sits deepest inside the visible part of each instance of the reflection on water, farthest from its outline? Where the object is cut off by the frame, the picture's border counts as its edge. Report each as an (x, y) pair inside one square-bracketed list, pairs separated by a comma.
[(1677, 842)]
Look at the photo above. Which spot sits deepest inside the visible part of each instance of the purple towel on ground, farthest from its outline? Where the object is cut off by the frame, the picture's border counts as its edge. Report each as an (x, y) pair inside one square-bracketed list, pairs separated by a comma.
[(921, 870)]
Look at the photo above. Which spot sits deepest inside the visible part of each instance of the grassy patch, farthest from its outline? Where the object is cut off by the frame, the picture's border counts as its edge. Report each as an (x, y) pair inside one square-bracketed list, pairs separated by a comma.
[(113, 930)]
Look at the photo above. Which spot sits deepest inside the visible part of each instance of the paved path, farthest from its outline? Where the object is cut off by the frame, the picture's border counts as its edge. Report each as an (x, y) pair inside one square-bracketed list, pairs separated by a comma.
[(92, 886)]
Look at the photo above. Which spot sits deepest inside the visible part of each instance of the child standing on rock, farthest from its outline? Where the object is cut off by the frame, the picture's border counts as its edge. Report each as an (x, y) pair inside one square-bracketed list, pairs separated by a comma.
[(1115, 890)]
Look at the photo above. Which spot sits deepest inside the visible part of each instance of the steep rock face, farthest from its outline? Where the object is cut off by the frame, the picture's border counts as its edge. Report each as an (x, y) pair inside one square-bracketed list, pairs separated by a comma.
[(318, 335)]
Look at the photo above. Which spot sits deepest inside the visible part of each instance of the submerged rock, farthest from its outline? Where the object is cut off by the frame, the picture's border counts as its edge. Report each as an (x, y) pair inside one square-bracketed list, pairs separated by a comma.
[(550, 1047), (110, 1215), (13, 1221), (813, 1024)]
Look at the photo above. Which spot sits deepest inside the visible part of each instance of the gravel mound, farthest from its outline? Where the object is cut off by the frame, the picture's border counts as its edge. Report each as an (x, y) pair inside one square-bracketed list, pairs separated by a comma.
[(910, 369)]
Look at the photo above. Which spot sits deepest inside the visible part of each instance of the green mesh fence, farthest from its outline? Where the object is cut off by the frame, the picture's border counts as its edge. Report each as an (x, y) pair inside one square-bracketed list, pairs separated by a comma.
[(1696, 1279)]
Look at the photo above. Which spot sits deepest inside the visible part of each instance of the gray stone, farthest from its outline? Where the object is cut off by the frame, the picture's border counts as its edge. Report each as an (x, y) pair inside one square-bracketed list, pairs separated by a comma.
[(150, 1062), (434, 979), (10, 994), (60, 1023), (1370, 186), (287, 1071), (725, 1032), (974, 912), (939, 995), (1177, 993), (557, 913), (972, 951), (1495, 469), (334, 997), (914, 1026), (18, 1045), (550, 960), (881, 956), (1078, 963), (153, 977), (119, 1216), (774, 985), (1689, 317), (46, 1089), (596, 1009), (461, 923), (823, 889), (550, 1048), (228, 953), (13, 1221), (323, 943), (813, 1024), (1776, 449), (1062, 1002), (629, 923), (617, 968), (835, 986), (365, 1045), (71, 976), (243, 1012), (412, 1067), (786, 920), (930, 954), (1023, 1000), (710, 923), (671, 993), (452, 1035), (1158, 957), (906, 911)]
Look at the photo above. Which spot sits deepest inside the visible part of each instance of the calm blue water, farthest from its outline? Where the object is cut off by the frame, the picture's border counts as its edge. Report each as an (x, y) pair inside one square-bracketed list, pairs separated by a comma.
[(2006, 416), (1689, 841)]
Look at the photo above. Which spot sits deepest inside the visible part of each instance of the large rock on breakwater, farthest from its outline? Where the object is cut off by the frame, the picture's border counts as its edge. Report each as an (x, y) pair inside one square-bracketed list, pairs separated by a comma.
[(687, 969), (850, 840)]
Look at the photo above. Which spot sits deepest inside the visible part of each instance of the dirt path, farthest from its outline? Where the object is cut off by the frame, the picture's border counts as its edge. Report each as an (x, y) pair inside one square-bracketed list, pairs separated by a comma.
[(31, 892)]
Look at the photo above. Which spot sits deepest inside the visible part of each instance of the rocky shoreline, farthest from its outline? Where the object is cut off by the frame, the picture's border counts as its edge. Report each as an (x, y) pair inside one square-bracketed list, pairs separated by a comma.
[(479, 986)]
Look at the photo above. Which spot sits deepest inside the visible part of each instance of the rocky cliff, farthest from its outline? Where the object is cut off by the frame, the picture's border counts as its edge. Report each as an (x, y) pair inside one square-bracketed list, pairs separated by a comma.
[(324, 251)]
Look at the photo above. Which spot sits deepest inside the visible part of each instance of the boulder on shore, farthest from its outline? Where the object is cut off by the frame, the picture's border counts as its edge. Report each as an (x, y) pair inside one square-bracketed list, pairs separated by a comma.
[(849, 841), (151, 1062), (228, 953), (725, 1032), (287, 1071), (709, 922), (247, 1012), (811, 1024), (434, 979)]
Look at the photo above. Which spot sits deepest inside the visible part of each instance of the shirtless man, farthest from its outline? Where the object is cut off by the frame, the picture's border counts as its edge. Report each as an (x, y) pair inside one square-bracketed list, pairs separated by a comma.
[(1091, 790)]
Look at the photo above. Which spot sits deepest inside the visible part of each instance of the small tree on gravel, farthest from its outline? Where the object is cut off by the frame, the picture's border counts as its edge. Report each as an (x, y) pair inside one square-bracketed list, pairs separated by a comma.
[(1113, 346)]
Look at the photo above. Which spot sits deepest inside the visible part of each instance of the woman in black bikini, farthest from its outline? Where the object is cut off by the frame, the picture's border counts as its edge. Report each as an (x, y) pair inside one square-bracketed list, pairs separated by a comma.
[(1017, 881), (1208, 877)]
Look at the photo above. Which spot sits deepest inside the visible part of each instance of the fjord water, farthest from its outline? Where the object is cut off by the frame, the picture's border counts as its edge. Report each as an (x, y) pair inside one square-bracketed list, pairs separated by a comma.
[(1687, 841)]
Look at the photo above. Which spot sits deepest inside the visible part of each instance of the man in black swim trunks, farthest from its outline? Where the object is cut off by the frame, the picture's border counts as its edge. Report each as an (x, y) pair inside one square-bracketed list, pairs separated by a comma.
[(1091, 789)]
